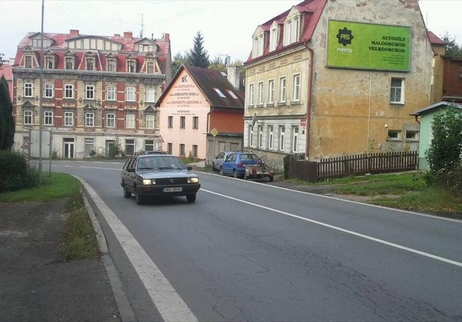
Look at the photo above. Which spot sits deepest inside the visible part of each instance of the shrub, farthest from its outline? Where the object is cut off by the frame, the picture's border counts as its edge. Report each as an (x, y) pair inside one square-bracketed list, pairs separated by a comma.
[(16, 174)]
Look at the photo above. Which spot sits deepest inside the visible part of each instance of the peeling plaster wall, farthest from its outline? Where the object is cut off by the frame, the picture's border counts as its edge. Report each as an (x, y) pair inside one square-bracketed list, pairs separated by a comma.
[(350, 110)]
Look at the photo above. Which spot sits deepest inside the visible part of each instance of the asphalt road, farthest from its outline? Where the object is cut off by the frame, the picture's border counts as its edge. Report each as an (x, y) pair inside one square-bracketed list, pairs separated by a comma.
[(249, 251)]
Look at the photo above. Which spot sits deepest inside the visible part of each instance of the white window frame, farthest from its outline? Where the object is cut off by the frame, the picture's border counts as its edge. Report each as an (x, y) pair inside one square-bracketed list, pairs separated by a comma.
[(296, 94), (250, 135), (28, 117), (274, 37), (260, 93), (48, 90), (68, 119), (150, 95), (395, 135), (110, 120), (48, 118), (397, 91), (28, 89), (282, 89), (295, 138), (130, 121), (271, 91), (150, 121), (270, 137), (130, 94), (260, 136), (251, 94), (282, 134), (90, 92), (68, 91), (110, 93), (89, 119)]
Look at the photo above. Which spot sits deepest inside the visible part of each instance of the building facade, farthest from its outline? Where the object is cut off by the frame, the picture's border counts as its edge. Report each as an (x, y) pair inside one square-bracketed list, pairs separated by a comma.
[(98, 92), (201, 113), (328, 78)]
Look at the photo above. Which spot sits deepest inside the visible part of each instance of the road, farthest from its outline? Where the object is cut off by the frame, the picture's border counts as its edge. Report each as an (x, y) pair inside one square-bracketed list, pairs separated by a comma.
[(247, 251)]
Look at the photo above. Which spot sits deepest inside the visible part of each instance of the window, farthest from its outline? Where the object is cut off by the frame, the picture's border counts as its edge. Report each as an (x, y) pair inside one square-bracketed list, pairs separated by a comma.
[(129, 146), (28, 117), (258, 45), (130, 94), (394, 135), (251, 93), (89, 92), (273, 37), (28, 62), (295, 139), (90, 119), (170, 121), (270, 137), (110, 120), (28, 89), (232, 94), (69, 62), (182, 150), (182, 122), (48, 90), (150, 95), (260, 93), (48, 118), (90, 63), (195, 122), (220, 93), (111, 93), (260, 136), (271, 91), (49, 62), (130, 121), (194, 150), (130, 66), (150, 68), (412, 135), (68, 91), (282, 134), (89, 146), (296, 96), (396, 91), (282, 96), (291, 30), (169, 148), (111, 65), (68, 118), (250, 135), (149, 121), (148, 145)]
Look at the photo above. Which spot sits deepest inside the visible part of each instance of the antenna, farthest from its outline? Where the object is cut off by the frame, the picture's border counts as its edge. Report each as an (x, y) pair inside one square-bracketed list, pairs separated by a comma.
[(142, 26)]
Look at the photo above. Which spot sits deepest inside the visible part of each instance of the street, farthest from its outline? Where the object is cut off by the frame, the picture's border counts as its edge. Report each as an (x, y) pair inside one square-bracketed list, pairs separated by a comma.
[(249, 251)]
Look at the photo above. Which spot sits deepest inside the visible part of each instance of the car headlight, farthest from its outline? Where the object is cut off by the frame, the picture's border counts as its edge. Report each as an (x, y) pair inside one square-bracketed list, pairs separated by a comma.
[(147, 182), (193, 180)]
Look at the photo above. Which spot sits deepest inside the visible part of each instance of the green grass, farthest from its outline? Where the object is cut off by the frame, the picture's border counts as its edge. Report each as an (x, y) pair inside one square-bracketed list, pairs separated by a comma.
[(79, 239)]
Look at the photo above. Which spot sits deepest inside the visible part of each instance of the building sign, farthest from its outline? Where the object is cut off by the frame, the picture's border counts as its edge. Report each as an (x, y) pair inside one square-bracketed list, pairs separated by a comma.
[(368, 46), (184, 93)]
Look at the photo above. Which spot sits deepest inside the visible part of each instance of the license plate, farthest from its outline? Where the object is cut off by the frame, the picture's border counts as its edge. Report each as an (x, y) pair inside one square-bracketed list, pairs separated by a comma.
[(173, 189)]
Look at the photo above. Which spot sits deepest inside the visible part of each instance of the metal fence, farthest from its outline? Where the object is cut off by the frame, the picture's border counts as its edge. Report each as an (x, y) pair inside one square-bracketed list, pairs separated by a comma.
[(353, 165)]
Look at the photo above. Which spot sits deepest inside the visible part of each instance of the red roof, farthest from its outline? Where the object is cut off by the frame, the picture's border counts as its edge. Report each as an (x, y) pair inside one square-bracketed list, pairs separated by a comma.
[(312, 9), (7, 71), (434, 39)]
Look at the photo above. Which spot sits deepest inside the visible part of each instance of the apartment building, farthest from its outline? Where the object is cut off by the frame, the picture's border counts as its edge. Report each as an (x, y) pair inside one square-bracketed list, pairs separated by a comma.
[(329, 78), (89, 92)]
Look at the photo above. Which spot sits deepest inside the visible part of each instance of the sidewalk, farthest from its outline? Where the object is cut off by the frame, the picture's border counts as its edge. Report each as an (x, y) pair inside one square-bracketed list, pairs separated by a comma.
[(35, 285)]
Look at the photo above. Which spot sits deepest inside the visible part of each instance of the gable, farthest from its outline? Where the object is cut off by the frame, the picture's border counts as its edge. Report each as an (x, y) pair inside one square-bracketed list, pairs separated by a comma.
[(183, 92)]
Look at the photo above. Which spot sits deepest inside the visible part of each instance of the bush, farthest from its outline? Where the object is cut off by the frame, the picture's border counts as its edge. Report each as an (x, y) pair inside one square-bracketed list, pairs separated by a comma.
[(448, 179), (16, 174)]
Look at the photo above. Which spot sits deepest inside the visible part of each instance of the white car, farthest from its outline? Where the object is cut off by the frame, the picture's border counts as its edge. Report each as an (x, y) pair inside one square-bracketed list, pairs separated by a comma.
[(218, 160)]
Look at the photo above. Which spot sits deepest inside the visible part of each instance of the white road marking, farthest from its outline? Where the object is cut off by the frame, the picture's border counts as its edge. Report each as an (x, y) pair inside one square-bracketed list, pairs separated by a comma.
[(169, 303), (411, 250)]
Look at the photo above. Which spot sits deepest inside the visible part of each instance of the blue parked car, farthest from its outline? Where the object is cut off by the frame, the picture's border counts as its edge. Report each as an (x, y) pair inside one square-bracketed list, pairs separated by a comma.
[(234, 165)]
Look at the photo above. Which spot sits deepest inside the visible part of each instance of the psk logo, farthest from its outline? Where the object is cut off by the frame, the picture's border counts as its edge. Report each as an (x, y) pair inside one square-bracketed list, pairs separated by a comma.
[(344, 36), (184, 78)]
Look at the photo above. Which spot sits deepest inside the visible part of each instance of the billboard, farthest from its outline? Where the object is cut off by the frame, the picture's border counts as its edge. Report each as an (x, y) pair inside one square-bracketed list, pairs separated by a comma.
[(368, 46)]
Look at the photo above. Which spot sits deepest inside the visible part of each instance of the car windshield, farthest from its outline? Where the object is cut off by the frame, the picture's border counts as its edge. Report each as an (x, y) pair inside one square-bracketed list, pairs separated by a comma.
[(160, 163), (249, 157)]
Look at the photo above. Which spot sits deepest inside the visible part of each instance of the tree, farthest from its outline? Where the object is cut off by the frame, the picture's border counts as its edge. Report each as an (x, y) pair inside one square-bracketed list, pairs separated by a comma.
[(7, 127), (198, 56), (218, 64), (178, 60), (452, 48)]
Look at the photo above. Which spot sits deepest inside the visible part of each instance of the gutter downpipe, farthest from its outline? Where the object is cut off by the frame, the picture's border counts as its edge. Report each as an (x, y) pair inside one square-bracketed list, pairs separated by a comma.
[(309, 100)]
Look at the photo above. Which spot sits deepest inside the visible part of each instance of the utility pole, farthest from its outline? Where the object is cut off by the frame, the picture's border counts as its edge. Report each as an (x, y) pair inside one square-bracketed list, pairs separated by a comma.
[(41, 61)]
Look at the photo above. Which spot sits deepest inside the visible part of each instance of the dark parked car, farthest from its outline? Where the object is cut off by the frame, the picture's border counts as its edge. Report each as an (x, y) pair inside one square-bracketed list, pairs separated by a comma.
[(158, 176), (236, 162), (218, 160)]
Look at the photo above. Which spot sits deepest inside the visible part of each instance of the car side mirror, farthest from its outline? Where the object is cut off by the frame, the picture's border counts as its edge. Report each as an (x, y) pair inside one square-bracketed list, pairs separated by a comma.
[(189, 167)]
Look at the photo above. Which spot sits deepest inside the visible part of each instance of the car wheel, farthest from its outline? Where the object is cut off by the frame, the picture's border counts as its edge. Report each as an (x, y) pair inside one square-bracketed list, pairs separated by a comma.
[(139, 198), (127, 194), (213, 167), (191, 198), (221, 171)]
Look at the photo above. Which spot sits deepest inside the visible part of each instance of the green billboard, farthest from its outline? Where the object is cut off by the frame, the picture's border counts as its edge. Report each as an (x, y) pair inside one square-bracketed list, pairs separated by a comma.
[(368, 46)]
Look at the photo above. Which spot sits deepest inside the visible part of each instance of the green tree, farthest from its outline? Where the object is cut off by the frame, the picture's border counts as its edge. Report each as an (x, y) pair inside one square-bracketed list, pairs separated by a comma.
[(446, 146), (178, 60), (218, 64), (198, 56), (7, 126), (452, 48)]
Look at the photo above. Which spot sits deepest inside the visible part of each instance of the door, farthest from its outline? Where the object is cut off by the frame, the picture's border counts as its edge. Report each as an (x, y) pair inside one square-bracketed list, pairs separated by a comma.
[(69, 148)]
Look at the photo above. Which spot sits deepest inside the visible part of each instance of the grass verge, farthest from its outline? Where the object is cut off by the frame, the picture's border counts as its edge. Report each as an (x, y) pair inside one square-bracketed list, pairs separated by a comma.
[(78, 238)]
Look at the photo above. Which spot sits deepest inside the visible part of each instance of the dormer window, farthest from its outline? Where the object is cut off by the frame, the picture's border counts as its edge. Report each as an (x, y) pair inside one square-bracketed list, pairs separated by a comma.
[(292, 29), (28, 61), (90, 63), (131, 64), (274, 36), (150, 68), (258, 45), (69, 60), (111, 65), (49, 62)]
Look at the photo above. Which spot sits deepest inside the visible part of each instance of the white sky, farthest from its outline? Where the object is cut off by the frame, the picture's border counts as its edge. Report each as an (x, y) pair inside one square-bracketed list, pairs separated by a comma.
[(226, 25)]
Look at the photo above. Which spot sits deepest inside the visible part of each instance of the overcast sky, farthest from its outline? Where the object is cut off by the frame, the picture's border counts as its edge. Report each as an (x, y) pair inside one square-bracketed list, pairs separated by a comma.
[(227, 26)]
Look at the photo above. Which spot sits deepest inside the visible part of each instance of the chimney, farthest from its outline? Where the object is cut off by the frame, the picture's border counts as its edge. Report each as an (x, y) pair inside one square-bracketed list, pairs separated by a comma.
[(128, 34), (74, 32), (116, 35), (166, 37), (234, 76)]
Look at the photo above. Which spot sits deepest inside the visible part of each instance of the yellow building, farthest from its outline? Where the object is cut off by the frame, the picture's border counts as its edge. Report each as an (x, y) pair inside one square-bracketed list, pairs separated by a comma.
[(330, 78)]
